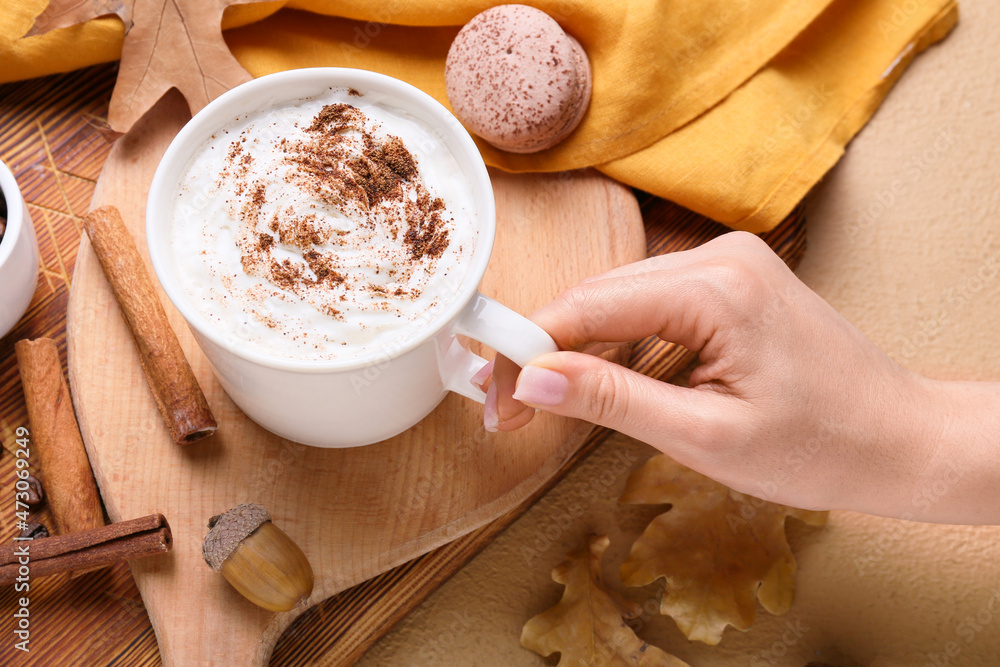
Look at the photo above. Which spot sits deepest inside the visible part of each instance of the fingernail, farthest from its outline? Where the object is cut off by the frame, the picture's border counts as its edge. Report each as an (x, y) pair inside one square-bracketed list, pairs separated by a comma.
[(482, 375), (491, 419), (541, 386)]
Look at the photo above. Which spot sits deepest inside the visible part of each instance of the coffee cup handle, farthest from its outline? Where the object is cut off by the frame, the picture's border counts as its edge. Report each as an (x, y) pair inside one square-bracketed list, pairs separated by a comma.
[(493, 324)]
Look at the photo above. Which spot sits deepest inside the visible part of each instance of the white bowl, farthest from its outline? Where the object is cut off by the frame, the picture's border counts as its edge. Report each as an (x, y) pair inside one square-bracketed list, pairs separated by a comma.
[(18, 255)]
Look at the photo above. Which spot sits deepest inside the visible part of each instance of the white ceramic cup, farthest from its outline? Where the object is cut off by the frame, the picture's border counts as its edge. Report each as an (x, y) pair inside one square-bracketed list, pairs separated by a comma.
[(18, 255), (375, 395)]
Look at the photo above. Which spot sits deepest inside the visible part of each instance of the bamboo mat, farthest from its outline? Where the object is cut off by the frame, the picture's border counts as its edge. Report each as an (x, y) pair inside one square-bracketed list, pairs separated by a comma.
[(54, 138)]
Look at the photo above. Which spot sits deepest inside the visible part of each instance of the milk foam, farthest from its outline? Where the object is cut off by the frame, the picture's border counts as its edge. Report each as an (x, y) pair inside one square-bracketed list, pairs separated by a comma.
[(301, 255)]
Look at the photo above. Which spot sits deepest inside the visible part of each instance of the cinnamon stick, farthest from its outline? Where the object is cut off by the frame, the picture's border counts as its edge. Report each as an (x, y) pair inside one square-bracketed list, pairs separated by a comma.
[(86, 550), (56, 440), (171, 380)]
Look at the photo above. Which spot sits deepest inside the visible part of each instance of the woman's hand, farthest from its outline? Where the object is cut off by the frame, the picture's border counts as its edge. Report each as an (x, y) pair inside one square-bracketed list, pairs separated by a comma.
[(790, 403)]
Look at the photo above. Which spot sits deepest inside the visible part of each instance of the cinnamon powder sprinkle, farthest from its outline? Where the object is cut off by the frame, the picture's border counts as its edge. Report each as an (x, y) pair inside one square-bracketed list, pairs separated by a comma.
[(336, 117), (371, 179), (378, 188)]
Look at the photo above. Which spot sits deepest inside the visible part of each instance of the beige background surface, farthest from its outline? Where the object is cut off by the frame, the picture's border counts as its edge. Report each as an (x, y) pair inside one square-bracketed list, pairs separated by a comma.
[(905, 242)]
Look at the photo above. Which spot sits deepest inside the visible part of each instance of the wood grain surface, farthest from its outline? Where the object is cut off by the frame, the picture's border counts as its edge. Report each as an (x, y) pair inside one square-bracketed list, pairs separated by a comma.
[(53, 137)]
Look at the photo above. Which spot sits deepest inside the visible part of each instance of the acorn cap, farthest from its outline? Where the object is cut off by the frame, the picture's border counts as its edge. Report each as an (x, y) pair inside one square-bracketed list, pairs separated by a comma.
[(229, 529)]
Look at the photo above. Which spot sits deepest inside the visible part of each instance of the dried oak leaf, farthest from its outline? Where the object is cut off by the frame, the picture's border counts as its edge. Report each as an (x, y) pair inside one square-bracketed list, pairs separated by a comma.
[(168, 44), (586, 627), (718, 550)]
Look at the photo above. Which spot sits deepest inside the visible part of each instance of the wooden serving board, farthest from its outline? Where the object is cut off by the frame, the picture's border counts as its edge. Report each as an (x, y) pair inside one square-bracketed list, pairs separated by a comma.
[(355, 512)]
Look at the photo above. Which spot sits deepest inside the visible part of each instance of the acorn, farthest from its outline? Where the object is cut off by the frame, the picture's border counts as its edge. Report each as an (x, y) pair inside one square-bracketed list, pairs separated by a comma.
[(258, 558)]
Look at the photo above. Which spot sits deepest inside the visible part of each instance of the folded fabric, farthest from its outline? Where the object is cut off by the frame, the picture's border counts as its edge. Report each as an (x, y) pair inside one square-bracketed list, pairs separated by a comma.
[(749, 160), (687, 99)]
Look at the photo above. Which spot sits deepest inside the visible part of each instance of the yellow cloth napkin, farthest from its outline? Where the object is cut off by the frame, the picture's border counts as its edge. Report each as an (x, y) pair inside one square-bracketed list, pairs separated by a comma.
[(753, 157), (702, 102)]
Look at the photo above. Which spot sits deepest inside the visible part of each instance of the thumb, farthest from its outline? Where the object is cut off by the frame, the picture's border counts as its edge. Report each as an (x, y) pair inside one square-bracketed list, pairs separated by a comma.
[(587, 387)]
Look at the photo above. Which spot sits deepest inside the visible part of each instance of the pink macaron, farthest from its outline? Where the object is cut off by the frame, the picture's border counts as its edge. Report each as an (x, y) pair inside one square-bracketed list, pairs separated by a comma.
[(516, 79)]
